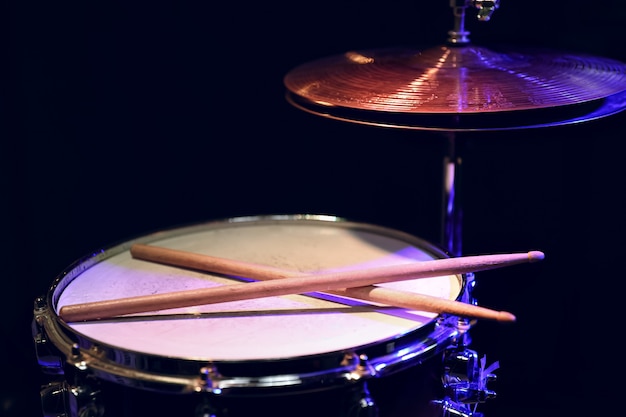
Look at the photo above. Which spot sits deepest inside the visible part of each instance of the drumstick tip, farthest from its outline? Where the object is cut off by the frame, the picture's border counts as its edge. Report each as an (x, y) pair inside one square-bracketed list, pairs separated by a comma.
[(506, 316), (534, 256)]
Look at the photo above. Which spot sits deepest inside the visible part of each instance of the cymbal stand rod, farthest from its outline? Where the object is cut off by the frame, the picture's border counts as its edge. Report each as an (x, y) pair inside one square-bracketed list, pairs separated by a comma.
[(458, 35), (452, 214)]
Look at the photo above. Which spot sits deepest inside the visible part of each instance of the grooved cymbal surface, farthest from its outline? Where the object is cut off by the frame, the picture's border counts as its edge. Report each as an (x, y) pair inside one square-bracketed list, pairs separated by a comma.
[(451, 80)]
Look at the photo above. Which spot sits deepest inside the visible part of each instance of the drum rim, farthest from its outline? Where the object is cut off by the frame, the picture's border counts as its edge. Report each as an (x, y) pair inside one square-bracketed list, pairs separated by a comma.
[(150, 371)]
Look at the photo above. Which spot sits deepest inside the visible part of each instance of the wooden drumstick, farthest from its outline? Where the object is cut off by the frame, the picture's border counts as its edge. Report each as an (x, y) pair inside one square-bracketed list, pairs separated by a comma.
[(389, 296), (291, 285)]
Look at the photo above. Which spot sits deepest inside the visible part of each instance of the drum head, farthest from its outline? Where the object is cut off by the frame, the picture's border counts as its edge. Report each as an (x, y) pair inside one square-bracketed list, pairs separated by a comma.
[(305, 333)]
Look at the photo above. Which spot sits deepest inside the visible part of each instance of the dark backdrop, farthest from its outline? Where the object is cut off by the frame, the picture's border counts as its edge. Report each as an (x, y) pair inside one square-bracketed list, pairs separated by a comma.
[(122, 118)]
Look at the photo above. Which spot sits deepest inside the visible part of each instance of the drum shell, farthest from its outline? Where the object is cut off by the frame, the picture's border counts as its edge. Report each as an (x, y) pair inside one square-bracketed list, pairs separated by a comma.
[(411, 392)]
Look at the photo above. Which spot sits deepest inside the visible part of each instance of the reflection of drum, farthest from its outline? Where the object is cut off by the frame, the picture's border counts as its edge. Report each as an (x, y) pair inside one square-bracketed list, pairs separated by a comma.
[(311, 354)]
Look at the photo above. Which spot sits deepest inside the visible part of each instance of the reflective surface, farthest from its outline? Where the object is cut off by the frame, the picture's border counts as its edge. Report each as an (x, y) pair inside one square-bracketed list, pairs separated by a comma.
[(458, 88)]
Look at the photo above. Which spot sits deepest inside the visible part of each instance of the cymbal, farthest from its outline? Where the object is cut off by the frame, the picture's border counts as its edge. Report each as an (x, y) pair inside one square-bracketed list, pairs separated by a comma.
[(459, 87)]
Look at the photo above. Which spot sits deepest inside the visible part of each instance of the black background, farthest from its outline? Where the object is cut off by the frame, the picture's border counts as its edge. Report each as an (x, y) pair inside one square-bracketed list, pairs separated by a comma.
[(122, 118)]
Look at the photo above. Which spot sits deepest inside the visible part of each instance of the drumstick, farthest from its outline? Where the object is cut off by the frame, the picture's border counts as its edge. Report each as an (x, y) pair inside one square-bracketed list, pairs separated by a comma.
[(291, 285), (389, 296)]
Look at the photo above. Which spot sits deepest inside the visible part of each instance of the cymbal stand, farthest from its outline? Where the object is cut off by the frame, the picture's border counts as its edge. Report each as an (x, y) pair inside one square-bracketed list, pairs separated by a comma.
[(452, 213), (464, 378)]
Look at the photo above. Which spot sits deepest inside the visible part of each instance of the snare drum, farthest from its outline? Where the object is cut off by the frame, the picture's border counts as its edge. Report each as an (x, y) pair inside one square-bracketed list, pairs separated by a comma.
[(295, 355)]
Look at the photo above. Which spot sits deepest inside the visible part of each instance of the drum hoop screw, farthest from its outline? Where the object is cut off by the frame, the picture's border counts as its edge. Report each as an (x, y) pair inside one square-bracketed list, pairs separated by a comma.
[(208, 377)]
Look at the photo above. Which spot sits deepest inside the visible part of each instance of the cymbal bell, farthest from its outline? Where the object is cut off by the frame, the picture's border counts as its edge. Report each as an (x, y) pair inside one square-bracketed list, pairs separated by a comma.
[(459, 87)]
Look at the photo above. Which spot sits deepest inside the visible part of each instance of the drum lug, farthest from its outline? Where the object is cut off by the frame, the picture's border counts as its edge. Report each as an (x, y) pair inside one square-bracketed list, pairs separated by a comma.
[(55, 399), (465, 381), (59, 399), (48, 358), (84, 401), (82, 398), (364, 405)]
